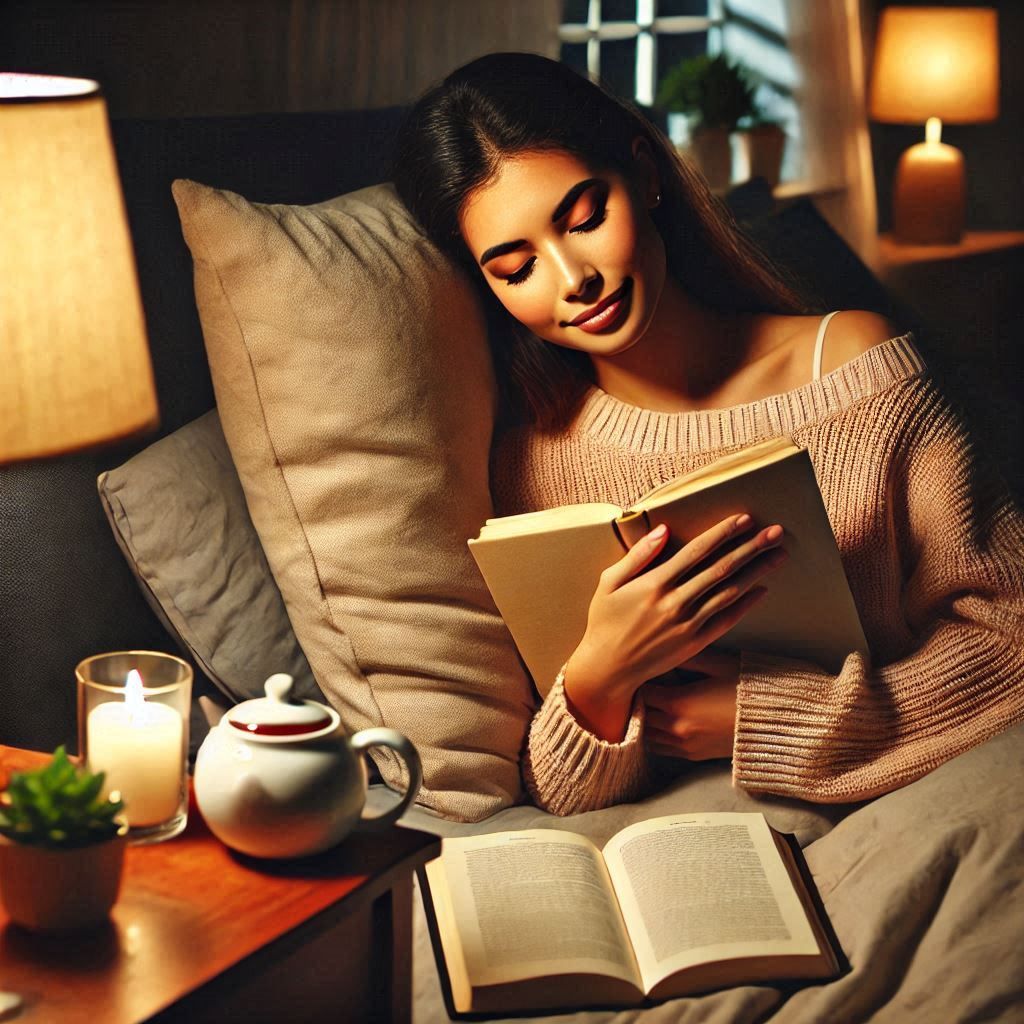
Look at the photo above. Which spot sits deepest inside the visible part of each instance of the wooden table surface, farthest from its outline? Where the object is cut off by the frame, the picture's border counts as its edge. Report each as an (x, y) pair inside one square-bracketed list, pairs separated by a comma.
[(188, 910)]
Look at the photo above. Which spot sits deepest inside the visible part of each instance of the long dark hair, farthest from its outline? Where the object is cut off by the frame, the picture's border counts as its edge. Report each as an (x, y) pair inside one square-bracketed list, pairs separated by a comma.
[(453, 141)]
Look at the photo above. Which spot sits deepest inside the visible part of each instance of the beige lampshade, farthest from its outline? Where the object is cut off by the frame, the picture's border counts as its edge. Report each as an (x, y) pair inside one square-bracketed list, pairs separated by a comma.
[(936, 62), (75, 364)]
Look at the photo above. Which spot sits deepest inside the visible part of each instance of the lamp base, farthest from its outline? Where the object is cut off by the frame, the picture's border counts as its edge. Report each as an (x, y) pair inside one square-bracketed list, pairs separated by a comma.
[(930, 195)]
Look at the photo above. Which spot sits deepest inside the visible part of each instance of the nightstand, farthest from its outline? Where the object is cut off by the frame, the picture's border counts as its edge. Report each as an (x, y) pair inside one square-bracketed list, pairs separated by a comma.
[(970, 299), (203, 935)]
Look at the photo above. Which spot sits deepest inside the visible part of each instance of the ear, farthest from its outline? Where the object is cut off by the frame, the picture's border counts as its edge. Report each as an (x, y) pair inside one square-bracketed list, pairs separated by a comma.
[(645, 172)]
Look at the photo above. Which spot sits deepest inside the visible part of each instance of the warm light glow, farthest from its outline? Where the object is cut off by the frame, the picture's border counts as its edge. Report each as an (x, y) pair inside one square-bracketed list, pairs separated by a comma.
[(933, 130), (76, 367), (133, 698), (936, 62), (15, 86)]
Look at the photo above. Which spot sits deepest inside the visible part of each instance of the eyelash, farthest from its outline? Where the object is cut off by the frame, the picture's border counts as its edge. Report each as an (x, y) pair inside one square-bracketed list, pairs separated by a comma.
[(595, 220)]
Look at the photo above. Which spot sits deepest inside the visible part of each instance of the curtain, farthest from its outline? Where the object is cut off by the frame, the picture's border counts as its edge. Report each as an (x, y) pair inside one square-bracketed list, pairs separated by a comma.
[(808, 56), (827, 43)]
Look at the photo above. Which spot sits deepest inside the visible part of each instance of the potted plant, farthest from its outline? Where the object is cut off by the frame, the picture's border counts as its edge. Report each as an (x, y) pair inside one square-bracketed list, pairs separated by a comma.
[(765, 140), (62, 847), (714, 94)]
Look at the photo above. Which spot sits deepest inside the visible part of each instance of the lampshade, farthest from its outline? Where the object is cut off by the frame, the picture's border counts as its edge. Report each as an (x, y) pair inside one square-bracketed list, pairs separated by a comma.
[(75, 363), (936, 62)]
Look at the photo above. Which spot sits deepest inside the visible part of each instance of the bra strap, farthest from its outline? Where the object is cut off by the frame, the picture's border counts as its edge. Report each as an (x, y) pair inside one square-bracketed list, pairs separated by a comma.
[(819, 344)]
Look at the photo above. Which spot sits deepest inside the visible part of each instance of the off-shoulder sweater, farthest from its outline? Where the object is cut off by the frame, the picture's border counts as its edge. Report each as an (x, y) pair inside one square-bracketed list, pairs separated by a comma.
[(932, 545)]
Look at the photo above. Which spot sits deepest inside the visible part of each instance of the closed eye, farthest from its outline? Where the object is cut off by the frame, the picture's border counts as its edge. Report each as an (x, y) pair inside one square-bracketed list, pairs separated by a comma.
[(522, 273), (595, 220)]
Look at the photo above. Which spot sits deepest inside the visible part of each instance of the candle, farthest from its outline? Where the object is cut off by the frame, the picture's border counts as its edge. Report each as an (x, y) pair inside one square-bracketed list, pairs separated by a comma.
[(139, 744)]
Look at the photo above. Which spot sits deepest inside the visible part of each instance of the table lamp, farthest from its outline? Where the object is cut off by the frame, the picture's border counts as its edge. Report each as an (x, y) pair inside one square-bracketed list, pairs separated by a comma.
[(76, 369), (934, 64)]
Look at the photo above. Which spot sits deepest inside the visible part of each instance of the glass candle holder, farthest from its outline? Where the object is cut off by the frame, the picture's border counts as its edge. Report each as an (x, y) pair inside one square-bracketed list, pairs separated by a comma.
[(133, 715)]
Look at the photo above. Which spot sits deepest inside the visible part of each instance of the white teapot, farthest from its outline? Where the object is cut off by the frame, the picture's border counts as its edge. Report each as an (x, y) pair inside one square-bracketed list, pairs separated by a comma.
[(278, 777)]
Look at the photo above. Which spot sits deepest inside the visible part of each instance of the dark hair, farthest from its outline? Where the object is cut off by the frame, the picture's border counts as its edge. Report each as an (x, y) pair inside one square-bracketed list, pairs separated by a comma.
[(453, 141)]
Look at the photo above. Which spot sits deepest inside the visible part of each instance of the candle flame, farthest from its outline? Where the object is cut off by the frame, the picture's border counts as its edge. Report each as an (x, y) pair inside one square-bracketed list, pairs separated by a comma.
[(133, 698)]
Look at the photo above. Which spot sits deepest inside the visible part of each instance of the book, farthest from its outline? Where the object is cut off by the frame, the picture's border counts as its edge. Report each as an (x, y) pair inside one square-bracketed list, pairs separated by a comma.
[(541, 919), (542, 568)]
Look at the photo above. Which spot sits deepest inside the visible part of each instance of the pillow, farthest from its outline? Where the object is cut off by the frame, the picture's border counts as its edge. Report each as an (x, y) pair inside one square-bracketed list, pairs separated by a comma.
[(178, 513), (355, 388)]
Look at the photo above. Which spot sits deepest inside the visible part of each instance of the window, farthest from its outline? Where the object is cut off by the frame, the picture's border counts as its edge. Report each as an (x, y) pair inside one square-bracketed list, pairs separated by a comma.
[(629, 44)]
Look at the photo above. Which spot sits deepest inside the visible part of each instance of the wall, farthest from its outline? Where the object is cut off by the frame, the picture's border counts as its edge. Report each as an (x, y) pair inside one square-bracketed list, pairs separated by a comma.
[(158, 58), (994, 153)]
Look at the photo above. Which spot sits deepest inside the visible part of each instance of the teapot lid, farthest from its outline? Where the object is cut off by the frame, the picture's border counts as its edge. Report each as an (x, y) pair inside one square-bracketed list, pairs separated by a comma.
[(277, 714)]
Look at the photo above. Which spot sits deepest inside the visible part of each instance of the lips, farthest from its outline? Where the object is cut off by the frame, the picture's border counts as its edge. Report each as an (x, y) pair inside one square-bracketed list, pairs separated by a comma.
[(608, 313)]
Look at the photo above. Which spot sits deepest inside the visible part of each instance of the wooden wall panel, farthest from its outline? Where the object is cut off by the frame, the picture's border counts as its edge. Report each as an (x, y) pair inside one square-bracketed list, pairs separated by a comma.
[(157, 58)]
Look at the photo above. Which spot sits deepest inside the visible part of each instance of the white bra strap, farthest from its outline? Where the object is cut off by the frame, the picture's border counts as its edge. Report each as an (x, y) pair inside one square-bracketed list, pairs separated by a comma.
[(819, 344)]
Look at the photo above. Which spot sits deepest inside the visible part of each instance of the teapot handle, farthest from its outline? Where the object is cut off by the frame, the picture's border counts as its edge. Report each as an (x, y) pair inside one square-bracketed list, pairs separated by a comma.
[(383, 737)]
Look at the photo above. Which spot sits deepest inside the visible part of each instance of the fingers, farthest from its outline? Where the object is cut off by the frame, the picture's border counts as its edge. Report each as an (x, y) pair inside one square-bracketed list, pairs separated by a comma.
[(697, 550), (716, 599), (715, 627), (641, 554)]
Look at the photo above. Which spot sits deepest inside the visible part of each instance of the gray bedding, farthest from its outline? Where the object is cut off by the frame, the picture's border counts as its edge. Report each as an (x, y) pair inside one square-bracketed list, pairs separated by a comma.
[(924, 888)]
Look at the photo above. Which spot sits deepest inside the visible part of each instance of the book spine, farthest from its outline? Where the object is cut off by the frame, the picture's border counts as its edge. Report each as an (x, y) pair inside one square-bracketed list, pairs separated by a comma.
[(631, 527)]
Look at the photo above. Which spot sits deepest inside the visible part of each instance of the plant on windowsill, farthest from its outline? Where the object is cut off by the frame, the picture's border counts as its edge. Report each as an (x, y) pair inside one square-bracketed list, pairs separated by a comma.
[(714, 94), (62, 849), (765, 141)]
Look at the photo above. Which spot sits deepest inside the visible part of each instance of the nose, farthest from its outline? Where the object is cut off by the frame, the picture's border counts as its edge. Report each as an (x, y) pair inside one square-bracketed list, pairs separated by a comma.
[(577, 274)]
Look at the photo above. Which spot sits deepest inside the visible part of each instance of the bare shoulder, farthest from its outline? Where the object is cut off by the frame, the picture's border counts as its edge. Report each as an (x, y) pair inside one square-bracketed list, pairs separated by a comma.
[(850, 333)]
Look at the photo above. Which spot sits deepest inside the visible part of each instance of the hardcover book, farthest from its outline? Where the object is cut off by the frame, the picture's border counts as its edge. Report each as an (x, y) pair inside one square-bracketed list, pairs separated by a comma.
[(542, 568)]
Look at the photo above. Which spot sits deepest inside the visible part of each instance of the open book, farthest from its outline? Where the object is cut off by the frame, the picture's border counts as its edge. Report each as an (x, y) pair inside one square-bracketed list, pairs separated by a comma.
[(543, 920), (542, 568)]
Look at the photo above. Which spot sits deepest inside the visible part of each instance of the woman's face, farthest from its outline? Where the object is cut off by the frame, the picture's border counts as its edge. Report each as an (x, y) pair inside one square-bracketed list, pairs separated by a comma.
[(570, 252)]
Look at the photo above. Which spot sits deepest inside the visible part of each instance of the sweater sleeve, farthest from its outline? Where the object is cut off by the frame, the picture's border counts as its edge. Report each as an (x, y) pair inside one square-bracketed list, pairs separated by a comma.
[(567, 769), (873, 728)]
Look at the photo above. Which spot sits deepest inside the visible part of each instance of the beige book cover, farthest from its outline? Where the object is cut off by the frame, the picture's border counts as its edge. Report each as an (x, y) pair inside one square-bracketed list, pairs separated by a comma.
[(542, 568)]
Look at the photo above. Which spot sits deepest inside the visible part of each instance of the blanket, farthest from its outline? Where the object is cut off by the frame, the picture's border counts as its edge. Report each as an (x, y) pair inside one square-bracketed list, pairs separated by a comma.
[(924, 888)]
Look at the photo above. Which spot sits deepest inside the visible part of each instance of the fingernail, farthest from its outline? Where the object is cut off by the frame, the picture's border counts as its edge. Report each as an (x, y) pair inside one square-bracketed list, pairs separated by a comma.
[(773, 533), (657, 533), (741, 521)]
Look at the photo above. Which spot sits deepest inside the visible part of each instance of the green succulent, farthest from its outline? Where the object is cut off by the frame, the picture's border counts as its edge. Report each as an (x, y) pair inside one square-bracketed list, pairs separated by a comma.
[(715, 92), (59, 806)]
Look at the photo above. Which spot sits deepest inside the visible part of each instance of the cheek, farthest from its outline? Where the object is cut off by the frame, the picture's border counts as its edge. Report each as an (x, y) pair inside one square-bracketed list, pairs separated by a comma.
[(527, 303)]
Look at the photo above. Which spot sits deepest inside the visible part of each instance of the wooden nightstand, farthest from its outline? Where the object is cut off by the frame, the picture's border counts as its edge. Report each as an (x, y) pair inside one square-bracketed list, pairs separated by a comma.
[(970, 299), (200, 934), (971, 294)]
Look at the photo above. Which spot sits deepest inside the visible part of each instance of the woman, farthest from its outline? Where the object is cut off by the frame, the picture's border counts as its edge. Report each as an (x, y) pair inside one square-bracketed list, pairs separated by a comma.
[(638, 335)]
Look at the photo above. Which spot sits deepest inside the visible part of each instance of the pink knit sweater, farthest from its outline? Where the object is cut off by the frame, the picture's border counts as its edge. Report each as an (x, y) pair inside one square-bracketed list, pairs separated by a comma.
[(932, 545)]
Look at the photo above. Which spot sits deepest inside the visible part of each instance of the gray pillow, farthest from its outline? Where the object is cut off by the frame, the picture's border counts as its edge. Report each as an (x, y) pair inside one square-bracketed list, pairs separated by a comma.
[(179, 515)]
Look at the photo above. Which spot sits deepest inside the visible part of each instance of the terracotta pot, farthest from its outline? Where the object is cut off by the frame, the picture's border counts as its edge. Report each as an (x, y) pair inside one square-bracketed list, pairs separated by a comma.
[(54, 890), (711, 150), (766, 144)]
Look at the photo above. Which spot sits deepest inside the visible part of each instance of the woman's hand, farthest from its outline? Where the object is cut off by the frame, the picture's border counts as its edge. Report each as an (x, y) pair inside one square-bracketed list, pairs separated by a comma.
[(694, 720), (643, 624)]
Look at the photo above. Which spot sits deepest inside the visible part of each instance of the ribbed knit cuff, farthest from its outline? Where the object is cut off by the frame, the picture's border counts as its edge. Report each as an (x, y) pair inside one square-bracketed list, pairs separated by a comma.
[(567, 769), (786, 712)]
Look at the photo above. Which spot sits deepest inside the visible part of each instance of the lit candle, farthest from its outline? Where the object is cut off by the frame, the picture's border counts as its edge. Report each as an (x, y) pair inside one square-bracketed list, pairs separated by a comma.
[(138, 743)]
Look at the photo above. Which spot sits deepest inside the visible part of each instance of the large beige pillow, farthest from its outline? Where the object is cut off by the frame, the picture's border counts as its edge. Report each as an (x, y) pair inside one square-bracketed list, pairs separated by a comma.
[(355, 390)]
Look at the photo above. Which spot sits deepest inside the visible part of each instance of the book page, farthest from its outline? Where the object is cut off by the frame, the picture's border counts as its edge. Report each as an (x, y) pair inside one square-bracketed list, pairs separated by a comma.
[(705, 887), (558, 518), (534, 903)]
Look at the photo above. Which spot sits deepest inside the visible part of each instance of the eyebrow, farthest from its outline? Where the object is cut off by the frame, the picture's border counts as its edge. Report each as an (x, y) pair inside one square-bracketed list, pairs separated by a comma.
[(564, 205)]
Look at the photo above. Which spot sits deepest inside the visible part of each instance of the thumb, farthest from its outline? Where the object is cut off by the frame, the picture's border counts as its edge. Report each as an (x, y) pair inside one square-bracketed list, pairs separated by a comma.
[(636, 559)]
